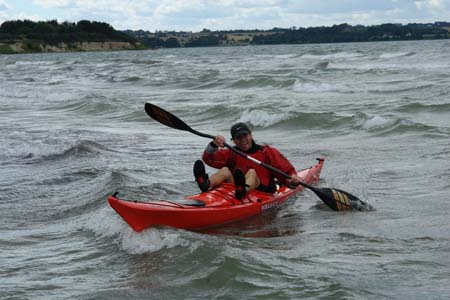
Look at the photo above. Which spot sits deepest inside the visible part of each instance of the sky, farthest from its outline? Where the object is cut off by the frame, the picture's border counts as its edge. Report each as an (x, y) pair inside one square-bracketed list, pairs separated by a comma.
[(195, 15)]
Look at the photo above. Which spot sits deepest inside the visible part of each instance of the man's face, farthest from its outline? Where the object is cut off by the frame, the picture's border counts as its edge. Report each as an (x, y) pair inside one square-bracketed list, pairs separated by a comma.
[(243, 141)]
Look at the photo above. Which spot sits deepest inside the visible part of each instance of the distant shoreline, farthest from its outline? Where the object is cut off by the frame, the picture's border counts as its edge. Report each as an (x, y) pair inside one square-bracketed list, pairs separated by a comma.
[(36, 46), (51, 36), (342, 33)]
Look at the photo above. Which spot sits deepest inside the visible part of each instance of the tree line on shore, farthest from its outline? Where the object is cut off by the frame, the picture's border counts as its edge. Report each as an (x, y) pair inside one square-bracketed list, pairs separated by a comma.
[(52, 33), (346, 33), (341, 33)]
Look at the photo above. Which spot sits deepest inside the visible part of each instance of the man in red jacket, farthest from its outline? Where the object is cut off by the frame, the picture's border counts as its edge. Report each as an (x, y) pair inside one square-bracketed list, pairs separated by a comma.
[(245, 174)]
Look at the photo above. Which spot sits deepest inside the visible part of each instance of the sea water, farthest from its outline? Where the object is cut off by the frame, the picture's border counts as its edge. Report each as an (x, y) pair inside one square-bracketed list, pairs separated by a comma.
[(73, 131)]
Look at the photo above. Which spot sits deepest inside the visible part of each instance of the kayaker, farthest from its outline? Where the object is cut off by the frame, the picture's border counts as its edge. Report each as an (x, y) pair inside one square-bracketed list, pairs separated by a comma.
[(245, 174)]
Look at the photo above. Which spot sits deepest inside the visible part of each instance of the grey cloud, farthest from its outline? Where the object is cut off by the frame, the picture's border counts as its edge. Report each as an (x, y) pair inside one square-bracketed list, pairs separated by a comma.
[(3, 5)]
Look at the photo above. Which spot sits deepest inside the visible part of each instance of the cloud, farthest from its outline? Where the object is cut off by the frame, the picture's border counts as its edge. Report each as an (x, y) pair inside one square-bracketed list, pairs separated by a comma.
[(193, 9), (431, 4), (194, 15), (220, 15), (342, 6), (52, 3), (3, 5)]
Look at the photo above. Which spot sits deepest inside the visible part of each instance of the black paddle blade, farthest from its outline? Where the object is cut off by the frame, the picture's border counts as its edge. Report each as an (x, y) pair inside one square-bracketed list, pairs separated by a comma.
[(165, 117), (339, 200)]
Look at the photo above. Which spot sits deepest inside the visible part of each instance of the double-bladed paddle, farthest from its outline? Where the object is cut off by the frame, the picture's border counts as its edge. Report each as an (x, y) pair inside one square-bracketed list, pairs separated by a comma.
[(335, 199)]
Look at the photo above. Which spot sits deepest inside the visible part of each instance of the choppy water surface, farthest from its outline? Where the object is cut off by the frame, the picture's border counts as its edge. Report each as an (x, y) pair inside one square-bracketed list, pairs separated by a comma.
[(73, 130)]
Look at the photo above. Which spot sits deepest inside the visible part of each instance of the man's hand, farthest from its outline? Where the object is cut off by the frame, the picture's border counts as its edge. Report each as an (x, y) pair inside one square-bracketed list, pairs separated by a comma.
[(295, 180), (219, 141)]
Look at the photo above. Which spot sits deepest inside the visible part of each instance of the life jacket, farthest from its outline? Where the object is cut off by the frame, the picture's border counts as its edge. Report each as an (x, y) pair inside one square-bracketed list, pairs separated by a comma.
[(264, 153), (259, 152)]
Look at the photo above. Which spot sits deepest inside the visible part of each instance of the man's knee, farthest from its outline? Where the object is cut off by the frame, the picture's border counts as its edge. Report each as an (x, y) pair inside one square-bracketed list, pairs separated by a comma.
[(225, 171), (251, 173), (252, 178), (226, 174)]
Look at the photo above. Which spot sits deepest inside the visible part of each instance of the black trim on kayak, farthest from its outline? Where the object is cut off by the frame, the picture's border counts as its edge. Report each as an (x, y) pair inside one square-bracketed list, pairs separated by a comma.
[(196, 203), (188, 202)]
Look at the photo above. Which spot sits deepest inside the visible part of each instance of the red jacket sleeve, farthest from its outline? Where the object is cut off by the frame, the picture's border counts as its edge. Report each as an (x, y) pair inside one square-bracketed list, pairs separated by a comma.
[(215, 157), (279, 161)]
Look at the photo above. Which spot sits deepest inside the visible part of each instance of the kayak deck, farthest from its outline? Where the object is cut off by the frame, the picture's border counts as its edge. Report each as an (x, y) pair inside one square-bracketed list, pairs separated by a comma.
[(212, 208)]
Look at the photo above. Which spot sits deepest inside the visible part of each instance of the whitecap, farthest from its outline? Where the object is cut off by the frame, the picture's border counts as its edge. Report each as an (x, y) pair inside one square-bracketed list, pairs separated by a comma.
[(150, 240), (276, 56), (33, 62), (379, 122), (317, 87), (26, 145), (338, 55), (374, 123), (396, 54), (385, 66), (262, 118), (106, 223)]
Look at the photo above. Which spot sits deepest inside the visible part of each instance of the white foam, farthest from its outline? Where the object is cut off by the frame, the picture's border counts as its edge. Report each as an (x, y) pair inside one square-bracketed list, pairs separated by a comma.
[(106, 223), (317, 87), (103, 65), (262, 118), (150, 240), (276, 56), (23, 144), (33, 62), (394, 54), (376, 122), (338, 55), (386, 66)]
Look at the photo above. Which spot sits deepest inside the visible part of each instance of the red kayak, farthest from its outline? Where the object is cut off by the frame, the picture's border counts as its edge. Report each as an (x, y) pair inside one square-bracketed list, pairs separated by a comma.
[(212, 208)]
